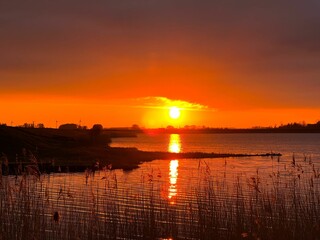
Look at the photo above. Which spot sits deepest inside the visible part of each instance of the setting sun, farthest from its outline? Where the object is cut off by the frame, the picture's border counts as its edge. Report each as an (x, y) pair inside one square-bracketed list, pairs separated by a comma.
[(174, 112)]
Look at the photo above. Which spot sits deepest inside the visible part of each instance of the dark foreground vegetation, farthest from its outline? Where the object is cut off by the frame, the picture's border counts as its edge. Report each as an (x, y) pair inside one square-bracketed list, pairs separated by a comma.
[(72, 150), (283, 205)]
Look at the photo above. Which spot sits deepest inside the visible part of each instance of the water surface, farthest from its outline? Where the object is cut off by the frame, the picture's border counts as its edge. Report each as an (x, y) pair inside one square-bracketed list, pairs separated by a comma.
[(285, 143), (179, 184)]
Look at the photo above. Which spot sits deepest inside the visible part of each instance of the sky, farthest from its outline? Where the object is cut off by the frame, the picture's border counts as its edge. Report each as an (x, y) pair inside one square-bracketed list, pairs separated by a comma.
[(225, 63)]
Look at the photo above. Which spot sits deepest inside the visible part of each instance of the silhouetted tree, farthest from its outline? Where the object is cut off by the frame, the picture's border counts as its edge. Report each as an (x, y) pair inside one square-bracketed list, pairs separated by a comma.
[(96, 130), (68, 126), (28, 125), (135, 127)]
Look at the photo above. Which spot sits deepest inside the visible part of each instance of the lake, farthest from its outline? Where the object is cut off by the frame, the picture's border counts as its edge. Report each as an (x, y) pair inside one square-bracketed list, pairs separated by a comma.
[(183, 173), (287, 144), (176, 198)]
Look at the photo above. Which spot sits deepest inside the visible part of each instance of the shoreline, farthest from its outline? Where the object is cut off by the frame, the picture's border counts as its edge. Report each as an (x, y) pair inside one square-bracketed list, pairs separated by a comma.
[(130, 158), (52, 150), (126, 159)]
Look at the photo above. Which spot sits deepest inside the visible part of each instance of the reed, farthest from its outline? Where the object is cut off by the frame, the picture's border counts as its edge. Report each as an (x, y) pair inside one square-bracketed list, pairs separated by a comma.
[(284, 204)]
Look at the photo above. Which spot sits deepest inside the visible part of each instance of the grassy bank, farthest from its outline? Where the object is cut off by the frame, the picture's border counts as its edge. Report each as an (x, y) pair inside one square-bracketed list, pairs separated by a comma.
[(56, 150)]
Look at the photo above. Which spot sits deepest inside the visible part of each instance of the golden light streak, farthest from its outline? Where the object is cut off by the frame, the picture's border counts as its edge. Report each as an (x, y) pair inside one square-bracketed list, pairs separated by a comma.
[(175, 147), (175, 143)]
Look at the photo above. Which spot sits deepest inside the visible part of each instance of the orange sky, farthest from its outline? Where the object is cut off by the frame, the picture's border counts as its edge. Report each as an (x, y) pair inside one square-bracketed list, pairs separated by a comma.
[(125, 62)]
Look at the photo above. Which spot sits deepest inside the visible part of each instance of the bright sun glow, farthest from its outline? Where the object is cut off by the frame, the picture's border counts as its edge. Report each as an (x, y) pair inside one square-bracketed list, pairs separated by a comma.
[(174, 112)]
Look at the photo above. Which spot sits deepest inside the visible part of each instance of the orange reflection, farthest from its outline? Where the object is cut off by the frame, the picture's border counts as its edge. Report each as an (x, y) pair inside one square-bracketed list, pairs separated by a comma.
[(173, 177), (175, 143), (174, 146)]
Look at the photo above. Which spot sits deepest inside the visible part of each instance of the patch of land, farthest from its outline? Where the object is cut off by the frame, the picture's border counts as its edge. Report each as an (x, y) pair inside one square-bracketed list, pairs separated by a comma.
[(54, 150)]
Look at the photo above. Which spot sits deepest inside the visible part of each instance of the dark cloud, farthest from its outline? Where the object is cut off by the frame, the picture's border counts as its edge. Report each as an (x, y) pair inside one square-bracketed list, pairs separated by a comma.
[(258, 39)]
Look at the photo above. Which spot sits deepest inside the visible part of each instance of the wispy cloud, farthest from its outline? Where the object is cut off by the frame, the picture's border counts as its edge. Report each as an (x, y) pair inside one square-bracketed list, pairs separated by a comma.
[(164, 103)]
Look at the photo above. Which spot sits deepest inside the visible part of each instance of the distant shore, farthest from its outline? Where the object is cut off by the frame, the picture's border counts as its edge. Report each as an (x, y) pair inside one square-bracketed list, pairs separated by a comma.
[(54, 150), (228, 130)]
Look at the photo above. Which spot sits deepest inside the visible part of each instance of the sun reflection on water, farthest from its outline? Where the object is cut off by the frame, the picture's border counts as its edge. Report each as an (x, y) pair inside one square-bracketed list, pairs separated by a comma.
[(175, 147), (175, 143)]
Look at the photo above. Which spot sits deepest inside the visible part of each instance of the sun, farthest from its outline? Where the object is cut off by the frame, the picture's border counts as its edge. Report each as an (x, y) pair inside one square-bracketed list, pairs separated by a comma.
[(174, 112)]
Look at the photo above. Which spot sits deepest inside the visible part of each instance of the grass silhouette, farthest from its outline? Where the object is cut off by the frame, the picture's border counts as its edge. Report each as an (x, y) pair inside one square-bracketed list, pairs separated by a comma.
[(284, 204)]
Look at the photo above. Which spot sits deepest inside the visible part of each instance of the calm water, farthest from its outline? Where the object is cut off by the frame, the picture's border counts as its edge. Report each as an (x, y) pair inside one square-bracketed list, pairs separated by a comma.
[(287, 144), (174, 182), (181, 175)]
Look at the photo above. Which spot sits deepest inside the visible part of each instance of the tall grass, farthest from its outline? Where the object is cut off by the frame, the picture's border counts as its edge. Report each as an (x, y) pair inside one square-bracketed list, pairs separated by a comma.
[(284, 204)]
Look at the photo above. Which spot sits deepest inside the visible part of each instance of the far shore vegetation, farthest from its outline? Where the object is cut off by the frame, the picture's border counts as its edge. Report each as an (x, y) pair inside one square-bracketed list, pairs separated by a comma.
[(72, 147)]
